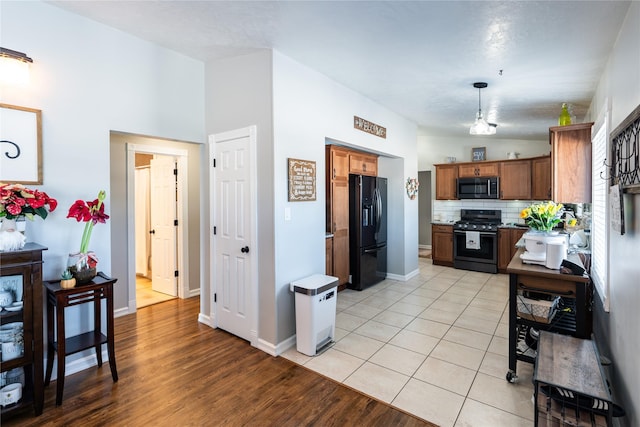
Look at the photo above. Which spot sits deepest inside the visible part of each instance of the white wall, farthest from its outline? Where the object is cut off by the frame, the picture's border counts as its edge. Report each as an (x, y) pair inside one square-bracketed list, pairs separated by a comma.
[(89, 79), (308, 108), (619, 88)]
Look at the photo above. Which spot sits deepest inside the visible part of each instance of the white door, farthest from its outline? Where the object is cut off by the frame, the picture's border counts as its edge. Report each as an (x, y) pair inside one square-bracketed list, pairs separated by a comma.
[(163, 229), (233, 200)]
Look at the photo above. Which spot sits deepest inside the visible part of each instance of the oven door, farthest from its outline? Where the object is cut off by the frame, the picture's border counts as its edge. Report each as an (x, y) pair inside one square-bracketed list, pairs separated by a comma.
[(469, 257)]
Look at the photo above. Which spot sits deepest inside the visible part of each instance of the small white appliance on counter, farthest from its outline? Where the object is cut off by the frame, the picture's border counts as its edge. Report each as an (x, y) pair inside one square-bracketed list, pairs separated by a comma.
[(545, 249)]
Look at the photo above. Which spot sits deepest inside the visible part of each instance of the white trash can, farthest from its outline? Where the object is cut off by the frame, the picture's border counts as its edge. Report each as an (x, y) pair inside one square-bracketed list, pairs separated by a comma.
[(315, 312)]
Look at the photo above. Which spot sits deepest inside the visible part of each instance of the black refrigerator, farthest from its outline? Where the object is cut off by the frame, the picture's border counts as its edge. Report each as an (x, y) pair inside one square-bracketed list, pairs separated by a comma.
[(367, 230)]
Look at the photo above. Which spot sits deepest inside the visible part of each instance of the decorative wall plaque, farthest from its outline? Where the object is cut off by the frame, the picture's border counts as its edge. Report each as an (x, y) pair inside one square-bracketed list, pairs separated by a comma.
[(367, 126), (302, 180), (479, 154)]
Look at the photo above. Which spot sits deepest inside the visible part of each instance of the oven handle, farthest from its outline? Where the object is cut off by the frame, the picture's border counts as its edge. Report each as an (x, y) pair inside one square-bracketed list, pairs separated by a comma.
[(482, 233)]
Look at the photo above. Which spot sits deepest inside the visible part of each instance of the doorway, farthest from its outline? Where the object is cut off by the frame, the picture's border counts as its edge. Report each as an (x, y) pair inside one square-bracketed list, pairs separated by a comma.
[(158, 187), (155, 186), (424, 214)]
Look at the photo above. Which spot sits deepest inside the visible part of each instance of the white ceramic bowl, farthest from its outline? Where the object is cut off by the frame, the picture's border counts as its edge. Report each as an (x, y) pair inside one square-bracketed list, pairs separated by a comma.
[(6, 298), (10, 394)]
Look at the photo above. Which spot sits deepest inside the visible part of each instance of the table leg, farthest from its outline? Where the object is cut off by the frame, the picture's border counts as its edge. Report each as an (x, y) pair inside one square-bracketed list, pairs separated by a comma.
[(110, 333), (62, 351), (97, 322), (50, 338)]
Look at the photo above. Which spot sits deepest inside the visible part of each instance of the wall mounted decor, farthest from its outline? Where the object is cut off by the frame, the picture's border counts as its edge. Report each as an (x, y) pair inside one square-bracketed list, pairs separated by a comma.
[(367, 126), (625, 153), (20, 144), (302, 180), (412, 187), (478, 154)]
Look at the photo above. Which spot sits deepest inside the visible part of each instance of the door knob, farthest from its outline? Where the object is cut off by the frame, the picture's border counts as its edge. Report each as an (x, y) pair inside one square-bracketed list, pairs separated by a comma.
[(245, 250), (152, 232)]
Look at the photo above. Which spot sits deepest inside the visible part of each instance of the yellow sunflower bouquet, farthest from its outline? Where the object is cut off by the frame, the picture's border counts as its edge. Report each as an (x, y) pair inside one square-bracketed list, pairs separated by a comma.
[(542, 216)]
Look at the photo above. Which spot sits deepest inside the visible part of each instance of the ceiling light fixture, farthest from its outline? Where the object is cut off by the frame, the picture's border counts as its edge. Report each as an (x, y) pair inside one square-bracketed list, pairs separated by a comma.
[(14, 67), (480, 126)]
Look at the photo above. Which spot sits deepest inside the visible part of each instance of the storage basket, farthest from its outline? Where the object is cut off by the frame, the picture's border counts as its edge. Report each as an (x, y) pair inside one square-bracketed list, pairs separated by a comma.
[(541, 311)]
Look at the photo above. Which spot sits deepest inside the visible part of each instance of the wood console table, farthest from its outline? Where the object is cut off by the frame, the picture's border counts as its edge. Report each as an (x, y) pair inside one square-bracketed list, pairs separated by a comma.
[(576, 294), (57, 300)]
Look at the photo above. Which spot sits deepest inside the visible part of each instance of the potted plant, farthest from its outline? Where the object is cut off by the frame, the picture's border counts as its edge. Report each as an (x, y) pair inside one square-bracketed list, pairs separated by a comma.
[(67, 280)]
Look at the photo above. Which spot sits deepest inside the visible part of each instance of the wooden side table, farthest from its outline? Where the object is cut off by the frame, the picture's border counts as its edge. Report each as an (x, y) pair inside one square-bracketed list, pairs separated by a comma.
[(57, 300)]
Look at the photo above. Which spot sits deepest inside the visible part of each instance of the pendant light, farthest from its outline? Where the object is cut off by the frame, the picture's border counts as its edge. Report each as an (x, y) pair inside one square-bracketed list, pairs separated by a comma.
[(480, 126)]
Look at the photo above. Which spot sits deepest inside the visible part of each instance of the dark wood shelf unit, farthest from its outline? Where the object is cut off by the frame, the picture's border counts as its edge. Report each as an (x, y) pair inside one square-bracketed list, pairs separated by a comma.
[(27, 263)]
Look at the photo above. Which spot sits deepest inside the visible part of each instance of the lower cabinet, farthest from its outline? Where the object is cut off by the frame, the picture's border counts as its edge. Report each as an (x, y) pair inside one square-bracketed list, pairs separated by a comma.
[(442, 244), (507, 239), (329, 256)]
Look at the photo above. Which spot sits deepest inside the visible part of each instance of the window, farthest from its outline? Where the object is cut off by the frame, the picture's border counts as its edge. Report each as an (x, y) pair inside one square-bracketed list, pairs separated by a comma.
[(599, 221)]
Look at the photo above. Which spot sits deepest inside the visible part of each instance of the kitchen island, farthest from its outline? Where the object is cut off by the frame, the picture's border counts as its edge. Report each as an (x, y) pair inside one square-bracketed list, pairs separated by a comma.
[(574, 312)]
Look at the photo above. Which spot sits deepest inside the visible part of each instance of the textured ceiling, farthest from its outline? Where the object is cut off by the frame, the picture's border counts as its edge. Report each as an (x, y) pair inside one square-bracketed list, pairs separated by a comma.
[(417, 58)]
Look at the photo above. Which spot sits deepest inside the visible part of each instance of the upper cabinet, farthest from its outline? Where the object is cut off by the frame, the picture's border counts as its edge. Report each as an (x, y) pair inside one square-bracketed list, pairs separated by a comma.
[(515, 180), (363, 164), (471, 170), (338, 163), (541, 178), (571, 163), (446, 176)]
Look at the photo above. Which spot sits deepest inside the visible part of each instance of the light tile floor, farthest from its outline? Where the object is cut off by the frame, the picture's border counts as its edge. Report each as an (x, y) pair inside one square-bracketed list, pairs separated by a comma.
[(435, 346)]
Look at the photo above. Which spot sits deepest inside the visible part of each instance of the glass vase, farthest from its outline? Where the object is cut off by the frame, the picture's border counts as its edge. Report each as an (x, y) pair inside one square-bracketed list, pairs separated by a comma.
[(83, 266)]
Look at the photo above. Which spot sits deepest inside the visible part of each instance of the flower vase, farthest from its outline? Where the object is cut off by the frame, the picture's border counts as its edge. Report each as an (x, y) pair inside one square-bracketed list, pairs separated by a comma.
[(10, 238), (83, 266)]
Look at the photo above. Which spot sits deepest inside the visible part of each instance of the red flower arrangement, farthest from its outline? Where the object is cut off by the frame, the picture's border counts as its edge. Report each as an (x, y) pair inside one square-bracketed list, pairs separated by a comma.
[(17, 200), (91, 212)]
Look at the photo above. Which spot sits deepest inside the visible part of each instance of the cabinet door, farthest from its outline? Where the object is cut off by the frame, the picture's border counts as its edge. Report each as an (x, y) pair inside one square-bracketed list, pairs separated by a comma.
[(329, 256), (571, 163), (504, 248), (470, 170), (340, 215), (541, 178), (442, 244), (446, 176), (338, 164), (363, 164), (515, 180)]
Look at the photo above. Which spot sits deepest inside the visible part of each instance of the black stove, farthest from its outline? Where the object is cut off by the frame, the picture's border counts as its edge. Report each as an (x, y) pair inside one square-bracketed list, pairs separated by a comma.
[(479, 220), (475, 240)]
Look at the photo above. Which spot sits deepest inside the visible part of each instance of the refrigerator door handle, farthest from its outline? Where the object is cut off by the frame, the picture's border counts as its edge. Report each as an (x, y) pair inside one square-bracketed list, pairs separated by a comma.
[(378, 201)]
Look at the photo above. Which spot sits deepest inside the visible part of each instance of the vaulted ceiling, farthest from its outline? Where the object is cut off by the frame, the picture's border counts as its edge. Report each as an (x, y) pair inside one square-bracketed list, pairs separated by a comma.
[(417, 58)]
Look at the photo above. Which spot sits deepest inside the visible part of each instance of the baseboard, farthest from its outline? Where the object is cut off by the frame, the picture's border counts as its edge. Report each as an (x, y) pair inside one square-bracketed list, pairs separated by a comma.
[(424, 247), (403, 278), (207, 320), (194, 293), (81, 364), (125, 310), (276, 350)]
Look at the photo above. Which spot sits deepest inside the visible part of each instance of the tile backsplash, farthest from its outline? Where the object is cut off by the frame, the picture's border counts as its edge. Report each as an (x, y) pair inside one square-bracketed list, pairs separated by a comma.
[(449, 210)]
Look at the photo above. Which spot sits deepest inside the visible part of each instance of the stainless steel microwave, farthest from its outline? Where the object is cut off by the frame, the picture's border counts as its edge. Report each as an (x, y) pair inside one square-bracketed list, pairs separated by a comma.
[(478, 188)]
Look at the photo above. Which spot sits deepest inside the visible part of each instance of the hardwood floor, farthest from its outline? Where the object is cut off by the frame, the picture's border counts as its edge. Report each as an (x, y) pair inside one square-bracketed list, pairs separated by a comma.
[(176, 371)]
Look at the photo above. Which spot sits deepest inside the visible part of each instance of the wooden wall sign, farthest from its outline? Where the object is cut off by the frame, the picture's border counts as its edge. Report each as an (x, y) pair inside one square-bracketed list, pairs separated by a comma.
[(367, 126), (302, 180)]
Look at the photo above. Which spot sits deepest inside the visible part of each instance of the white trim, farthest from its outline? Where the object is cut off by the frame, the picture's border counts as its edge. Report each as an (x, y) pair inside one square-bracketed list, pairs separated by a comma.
[(182, 156), (424, 246), (80, 364), (251, 133), (207, 320), (404, 278), (276, 350)]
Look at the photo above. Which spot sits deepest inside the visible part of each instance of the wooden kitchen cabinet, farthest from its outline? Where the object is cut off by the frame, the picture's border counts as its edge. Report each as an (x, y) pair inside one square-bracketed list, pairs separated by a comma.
[(571, 163), (541, 178), (363, 164), (329, 256), (337, 205), (507, 239), (442, 244), (515, 180), (446, 176), (478, 169)]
